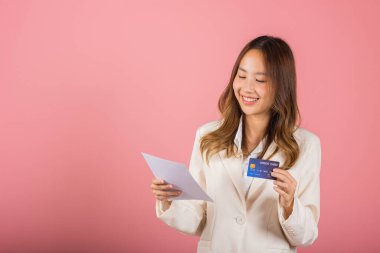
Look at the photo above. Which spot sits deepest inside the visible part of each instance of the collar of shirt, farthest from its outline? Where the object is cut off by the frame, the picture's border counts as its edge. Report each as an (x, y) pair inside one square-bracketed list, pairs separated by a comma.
[(239, 136)]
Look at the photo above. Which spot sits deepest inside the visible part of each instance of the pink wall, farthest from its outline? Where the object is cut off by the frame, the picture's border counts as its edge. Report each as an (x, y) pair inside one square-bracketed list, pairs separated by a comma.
[(85, 86)]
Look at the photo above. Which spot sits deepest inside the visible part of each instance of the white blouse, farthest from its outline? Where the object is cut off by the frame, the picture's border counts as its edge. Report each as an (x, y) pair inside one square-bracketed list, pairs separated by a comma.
[(254, 154)]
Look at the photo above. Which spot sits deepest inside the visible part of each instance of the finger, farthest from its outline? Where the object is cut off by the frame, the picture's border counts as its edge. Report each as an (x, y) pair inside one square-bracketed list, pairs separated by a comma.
[(284, 173), (287, 174), (166, 193), (161, 187), (283, 186), (281, 192), (158, 181), (280, 176), (284, 178), (163, 198)]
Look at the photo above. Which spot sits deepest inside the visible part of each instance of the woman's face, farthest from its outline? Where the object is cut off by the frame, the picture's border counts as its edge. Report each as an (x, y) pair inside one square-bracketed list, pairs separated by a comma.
[(251, 83)]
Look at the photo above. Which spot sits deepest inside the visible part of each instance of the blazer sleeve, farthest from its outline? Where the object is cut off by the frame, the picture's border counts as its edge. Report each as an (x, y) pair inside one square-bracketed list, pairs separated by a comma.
[(301, 227), (187, 216)]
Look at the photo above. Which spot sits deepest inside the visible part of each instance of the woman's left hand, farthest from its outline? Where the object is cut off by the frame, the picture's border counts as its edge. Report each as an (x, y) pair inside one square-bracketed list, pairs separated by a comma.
[(285, 185)]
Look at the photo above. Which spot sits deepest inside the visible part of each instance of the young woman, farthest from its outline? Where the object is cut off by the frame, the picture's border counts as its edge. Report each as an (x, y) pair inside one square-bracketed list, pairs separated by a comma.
[(259, 119)]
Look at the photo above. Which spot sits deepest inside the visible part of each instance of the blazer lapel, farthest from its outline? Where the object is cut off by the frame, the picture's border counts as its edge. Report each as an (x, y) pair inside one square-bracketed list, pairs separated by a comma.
[(233, 166)]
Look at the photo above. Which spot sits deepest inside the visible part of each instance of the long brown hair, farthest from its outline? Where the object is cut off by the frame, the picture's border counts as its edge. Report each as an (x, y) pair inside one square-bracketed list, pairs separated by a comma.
[(280, 67)]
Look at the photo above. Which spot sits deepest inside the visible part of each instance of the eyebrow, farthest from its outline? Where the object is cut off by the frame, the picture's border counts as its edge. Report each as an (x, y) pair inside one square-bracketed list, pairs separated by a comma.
[(257, 73)]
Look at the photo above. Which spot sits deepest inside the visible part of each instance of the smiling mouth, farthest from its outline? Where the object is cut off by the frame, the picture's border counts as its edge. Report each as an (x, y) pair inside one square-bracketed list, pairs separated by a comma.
[(249, 99)]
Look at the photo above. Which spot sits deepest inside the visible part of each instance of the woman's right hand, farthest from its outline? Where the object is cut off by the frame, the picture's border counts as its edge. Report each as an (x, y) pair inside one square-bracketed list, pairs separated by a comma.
[(163, 191)]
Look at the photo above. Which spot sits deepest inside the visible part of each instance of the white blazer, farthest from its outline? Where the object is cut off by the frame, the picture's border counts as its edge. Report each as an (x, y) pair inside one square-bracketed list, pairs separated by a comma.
[(235, 224)]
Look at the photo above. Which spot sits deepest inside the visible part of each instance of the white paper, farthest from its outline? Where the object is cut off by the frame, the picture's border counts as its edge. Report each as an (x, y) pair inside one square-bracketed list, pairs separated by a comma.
[(178, 175)]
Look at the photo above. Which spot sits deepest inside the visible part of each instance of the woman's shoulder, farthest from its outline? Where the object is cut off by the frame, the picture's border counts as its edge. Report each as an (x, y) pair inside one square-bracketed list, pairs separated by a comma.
[(209, 126), (306, 137)]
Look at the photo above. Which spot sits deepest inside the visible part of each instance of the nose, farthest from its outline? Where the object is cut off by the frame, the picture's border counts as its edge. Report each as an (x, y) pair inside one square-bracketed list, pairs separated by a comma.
[(249, 85)]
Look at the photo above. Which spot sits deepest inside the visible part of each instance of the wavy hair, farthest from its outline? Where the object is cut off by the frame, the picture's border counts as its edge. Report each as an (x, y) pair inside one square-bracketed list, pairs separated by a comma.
[(280, 67)]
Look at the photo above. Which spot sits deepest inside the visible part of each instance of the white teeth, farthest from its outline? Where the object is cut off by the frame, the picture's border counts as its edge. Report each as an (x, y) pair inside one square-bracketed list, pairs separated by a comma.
[(250, 99)]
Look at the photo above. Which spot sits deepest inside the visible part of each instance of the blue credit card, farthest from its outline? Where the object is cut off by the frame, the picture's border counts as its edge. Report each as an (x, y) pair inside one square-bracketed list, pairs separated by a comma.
[(261, 168)]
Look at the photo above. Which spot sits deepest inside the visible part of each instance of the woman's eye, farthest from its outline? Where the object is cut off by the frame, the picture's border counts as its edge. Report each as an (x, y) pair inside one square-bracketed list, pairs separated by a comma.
[(260, 81)]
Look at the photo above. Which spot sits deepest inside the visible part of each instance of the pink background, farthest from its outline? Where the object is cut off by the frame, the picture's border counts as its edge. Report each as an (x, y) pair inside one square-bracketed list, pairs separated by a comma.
[(85, 86)]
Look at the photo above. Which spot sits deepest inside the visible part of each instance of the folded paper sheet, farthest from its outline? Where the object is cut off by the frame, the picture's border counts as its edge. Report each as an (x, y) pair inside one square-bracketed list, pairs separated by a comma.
[(178, 175)]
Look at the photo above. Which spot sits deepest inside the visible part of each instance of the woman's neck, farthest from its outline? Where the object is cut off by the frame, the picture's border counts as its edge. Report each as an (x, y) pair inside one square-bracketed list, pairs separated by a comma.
[(255, 127), (254, 131)]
